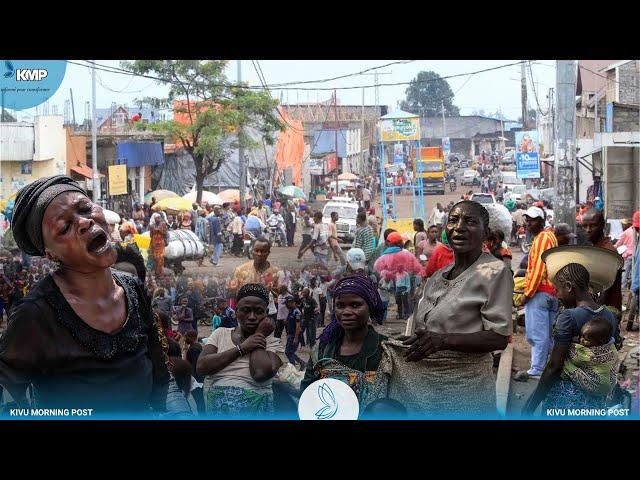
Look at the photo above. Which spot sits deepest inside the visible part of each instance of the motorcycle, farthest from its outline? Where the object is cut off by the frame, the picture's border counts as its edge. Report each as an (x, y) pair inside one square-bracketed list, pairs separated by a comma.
[(248, 239), (524, 245), (452, 185), (275, 234)]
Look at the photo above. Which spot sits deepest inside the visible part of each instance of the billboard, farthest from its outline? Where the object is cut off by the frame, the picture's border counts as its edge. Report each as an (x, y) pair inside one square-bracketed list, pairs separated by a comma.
[(398, 129), (527, 141), (117, 179), (398, 153), (446, 146), (528, 165)]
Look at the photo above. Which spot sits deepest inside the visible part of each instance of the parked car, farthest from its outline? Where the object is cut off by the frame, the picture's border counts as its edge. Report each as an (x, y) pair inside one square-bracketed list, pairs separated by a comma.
[(470, 177), (483, 198)]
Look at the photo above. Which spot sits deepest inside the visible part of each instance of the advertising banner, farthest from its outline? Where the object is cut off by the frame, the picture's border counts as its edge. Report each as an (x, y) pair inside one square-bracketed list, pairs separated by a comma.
[(527, 141), (117, 179), (398, 129), (398, 153), (528, 165), (446, 146)]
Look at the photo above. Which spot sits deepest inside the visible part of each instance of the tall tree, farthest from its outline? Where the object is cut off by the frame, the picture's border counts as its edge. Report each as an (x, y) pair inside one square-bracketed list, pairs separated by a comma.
[(210, 111), (426, 94)]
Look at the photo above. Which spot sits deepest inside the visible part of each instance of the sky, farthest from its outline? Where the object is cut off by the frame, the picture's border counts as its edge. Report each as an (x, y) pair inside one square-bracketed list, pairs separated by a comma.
[(489, 91)]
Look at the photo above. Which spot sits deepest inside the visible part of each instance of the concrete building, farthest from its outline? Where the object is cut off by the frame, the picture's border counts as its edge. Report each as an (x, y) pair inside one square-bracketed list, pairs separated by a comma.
[(468, 134), (29, 151)]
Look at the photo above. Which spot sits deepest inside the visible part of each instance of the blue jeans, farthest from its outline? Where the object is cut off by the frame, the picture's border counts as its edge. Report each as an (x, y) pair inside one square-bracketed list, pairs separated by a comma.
[(539, 314), (217, 253)]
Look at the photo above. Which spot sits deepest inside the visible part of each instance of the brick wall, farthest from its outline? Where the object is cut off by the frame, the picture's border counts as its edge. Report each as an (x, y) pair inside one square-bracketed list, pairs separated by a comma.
[(628, 76), (626, 119)]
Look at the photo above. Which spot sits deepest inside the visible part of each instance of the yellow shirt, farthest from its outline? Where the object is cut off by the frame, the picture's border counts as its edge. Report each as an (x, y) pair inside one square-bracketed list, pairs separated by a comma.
[(246, 273)]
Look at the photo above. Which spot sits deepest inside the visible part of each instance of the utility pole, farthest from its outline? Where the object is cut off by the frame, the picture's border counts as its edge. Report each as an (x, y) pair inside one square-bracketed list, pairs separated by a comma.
[(523, 83), (94, 139), (362, 135), (73, 108), (375, 81), (335, 106), (565, 148), (444, 125), (241, 167)]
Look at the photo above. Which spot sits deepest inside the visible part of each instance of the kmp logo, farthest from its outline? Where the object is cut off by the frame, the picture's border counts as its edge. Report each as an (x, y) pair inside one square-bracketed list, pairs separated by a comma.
[(25, 74)]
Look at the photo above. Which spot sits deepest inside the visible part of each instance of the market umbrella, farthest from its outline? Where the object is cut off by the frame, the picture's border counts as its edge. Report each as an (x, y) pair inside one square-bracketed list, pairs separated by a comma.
[(232, 195), (207, 197), (292, 191), (347, 176), (159, 195), (176, 204)]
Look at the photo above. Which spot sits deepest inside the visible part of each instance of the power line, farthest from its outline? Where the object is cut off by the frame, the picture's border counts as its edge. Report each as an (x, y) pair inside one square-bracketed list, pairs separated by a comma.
[(254, 87), (535, 94), (595, 73), (261, 77), (325, 80)]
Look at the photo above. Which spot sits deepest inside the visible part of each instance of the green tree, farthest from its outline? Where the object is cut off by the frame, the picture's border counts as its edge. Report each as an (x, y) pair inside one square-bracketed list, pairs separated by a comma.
[(211, 110), (426, 94)]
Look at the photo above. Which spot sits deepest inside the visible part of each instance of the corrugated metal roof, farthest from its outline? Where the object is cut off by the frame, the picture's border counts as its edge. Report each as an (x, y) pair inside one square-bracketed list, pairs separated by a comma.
[(17, 142)]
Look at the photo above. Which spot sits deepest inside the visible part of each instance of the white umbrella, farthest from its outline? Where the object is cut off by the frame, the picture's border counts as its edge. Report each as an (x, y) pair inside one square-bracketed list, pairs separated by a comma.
[(208, 197)]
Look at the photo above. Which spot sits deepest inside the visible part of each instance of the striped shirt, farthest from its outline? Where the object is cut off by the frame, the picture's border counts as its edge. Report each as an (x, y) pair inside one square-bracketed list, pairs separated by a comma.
[(536, 279), (364, 240)]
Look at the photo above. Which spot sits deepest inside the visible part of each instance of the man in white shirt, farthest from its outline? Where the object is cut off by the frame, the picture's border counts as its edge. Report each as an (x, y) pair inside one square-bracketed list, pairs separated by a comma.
[(434, 212), (366, 198), (439, 217)]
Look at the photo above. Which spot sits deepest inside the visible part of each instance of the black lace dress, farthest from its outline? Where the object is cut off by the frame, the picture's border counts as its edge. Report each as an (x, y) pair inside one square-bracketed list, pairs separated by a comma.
[(72, 365)]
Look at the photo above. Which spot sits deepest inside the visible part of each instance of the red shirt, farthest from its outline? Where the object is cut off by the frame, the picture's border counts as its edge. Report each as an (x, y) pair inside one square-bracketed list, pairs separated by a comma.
[(440, 258)]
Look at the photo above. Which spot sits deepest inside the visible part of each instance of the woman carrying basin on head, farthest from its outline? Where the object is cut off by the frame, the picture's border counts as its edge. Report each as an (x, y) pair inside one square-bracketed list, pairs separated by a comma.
[(85, 335)]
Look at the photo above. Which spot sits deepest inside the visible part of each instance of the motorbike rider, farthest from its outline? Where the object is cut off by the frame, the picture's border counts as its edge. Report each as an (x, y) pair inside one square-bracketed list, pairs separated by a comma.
[(452, 184), (276, 220)]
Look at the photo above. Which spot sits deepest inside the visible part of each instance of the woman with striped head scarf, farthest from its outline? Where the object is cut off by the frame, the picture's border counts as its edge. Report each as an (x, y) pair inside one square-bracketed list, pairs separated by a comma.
[(350, 348), (85, 334)]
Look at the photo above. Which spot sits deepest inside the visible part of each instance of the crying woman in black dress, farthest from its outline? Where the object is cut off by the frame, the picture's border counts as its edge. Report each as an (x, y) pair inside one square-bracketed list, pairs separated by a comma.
[(84, 336)]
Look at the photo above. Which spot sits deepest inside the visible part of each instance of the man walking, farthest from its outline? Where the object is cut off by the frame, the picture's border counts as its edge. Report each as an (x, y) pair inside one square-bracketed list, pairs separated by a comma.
[(290, 223), (307, 230), (540, 297), (215, 235), (364, 236)]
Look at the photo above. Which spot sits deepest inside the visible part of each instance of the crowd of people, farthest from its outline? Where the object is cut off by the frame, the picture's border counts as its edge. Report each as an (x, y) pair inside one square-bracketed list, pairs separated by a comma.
[(89, 323)]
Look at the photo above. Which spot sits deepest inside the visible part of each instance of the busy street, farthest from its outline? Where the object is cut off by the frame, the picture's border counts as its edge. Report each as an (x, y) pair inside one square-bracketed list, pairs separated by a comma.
[(439, 265)]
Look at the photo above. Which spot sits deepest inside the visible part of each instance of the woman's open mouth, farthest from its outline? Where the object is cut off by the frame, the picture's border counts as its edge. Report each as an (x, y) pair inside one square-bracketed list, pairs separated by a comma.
[(98, 243)]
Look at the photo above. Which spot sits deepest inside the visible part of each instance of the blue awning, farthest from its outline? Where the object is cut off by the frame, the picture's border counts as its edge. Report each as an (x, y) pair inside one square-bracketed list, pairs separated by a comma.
[(138, 154)]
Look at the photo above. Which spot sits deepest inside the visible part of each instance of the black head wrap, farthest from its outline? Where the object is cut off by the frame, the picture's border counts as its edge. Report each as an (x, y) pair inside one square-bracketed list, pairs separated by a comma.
[(253, 290), (31, 203), (362, 286)]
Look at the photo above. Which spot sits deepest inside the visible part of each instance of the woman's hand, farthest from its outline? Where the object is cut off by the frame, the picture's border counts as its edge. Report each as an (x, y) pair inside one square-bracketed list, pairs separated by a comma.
[(266, 327), (423, 343), (255, 341)]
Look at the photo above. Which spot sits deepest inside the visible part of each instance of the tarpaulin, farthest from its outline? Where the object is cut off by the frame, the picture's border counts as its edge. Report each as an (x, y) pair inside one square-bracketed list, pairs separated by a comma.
[(290, 148), (138, 154)]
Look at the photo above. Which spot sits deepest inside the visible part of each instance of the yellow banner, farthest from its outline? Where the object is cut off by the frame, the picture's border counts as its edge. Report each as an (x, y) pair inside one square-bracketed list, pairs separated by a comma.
[(117, 180), (397, 129)]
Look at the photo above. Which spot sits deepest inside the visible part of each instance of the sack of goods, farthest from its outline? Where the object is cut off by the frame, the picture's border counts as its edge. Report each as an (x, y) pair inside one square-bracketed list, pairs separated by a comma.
[(184, 245)]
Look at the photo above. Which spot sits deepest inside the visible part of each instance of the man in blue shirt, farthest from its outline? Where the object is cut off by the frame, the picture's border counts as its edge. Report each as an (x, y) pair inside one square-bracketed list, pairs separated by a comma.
[(254, 225), (227, 315), (215, 235)]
